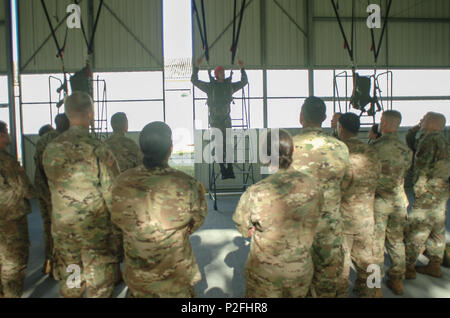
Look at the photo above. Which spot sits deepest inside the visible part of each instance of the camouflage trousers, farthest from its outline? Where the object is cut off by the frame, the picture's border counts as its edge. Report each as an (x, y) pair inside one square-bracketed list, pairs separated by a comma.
[(145, 284), (390, 221), (426, 226), (328, 255), (117, 244), (358, 248), (258, 286), (79, 261), (46, 209), (14, 250)]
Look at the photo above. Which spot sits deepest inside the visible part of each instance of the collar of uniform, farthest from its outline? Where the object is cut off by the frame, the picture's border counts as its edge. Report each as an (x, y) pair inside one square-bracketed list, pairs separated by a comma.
[(159, 169), (390, 135), (312, 129), (117, 134), (79, 129)]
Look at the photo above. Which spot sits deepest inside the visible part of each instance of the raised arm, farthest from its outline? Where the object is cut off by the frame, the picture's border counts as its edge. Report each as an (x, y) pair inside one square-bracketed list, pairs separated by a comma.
[(203, 86), (244, 79)]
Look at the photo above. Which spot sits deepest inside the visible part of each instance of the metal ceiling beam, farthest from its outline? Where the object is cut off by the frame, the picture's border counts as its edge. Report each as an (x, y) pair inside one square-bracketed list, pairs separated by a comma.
[(396, 20), (226, 29), (142, 44), (62, 22), (290, 18)]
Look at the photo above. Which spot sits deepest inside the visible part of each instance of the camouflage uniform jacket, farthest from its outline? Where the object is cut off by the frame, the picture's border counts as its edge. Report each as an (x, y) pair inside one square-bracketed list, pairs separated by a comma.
[(80, 171), (285, 209), (326, 159), (432, 162), (157, 210), (40, 179), (359, 187), (126, 151), (15, 189), (396, 159)]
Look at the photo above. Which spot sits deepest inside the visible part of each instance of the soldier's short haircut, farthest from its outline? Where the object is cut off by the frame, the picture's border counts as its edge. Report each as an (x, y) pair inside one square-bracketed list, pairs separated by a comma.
[(155, 141), (314, 110), (119, 121), (285, 146), (394, 118), (350, 122), (78, 104), (62, 122), (438, 118), (3, 127), (45, 129)]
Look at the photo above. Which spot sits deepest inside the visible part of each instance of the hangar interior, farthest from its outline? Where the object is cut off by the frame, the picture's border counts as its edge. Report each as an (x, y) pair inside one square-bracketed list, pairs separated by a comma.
[(141, 55)]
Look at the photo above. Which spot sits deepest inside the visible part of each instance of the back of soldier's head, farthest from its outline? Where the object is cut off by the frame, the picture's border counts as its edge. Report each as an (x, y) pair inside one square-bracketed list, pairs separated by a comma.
[(314, 111), (434, 122), (392, 119), (3, 127), (78, 105), (62, 123), (155, 141), (45, 129), (350, 122), (285, 145), (119, 122)]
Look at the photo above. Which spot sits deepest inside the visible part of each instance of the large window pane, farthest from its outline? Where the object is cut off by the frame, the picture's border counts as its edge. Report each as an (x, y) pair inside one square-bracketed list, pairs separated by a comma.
[(287, 83), (421, 82), (413, 111), (139, 113), (3, 89), (35, 88), (284, 113), (133, 85), (36, 116)]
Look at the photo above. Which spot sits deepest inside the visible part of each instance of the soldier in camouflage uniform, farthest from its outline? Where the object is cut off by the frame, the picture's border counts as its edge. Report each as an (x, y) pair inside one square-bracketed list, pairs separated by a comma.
[(15, 191), (42, 190), (127, 153), (128, 156), (220, 95), (413, 138), (157, 208), (280, 214), (391, 201), (426, 221), (357, 207), (326, 159), (80, 171)]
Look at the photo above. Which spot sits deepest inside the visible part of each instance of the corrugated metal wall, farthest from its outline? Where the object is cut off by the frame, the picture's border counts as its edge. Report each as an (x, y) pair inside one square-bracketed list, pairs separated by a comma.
[(421, 41), (2, 38), (219, 21), (115, 47)]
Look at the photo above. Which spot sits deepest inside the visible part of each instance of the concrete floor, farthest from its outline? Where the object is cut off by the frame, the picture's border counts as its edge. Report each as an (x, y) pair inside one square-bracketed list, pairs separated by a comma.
[(221, 254)]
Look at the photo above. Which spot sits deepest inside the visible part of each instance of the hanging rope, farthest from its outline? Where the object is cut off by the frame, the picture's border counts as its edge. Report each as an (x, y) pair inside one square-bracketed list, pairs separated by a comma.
[(236, 35), (341, 27), (90, 42), (201, 27), (376, 49)]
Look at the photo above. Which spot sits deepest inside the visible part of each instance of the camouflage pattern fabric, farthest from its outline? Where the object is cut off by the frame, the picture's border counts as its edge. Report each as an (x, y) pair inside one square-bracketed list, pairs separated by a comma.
[(285, 209), (157, 210), (357, 207), (128, 156), (412, 138), (15, 190), (326, 159), (426, 221), (43, 192), (126, 151), (80, 171), (391, 202)]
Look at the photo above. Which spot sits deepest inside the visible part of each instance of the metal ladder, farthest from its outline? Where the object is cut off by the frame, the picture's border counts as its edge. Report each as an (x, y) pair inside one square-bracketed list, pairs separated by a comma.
[(243, 171)]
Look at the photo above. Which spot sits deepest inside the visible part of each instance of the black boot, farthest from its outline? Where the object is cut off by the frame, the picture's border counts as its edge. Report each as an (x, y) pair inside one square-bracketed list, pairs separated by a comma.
[(223, 171), (230, 171)]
